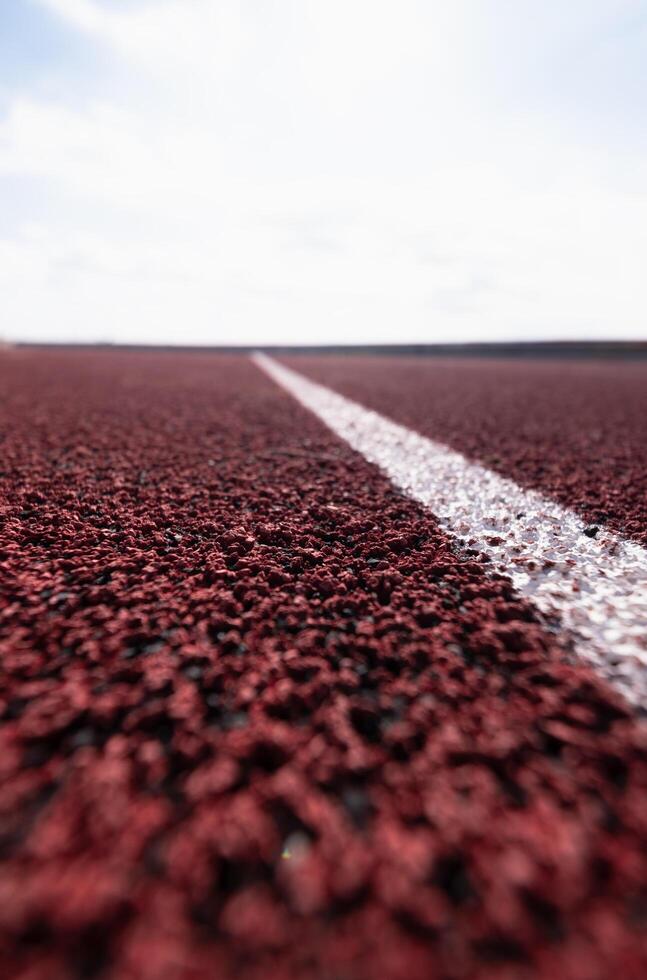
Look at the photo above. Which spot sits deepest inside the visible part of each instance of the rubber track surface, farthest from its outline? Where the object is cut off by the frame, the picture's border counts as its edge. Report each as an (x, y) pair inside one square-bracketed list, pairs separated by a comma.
[(575, 430), (261, 719)]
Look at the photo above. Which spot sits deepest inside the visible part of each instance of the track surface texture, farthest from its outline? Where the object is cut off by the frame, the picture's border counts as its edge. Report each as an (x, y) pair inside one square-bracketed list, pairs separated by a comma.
[(574, 430), (262, 717)]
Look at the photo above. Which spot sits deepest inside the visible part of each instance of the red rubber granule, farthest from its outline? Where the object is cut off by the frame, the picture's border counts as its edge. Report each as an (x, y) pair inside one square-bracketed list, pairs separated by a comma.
[(262, 718), (573, 429)]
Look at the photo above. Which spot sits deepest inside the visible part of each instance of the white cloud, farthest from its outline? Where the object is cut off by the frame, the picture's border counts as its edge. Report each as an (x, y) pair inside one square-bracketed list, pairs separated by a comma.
[(315, 171)]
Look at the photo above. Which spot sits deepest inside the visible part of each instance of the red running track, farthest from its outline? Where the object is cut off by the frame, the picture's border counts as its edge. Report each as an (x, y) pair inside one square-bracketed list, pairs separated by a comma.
[(576, 430), (260, 718)]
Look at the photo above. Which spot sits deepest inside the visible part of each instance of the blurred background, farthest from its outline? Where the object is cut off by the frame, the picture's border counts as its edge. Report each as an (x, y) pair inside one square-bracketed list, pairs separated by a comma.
[(322, 171)]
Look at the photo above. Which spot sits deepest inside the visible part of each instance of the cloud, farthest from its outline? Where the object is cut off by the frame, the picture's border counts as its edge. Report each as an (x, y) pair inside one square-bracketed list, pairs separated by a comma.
[(315, 171)]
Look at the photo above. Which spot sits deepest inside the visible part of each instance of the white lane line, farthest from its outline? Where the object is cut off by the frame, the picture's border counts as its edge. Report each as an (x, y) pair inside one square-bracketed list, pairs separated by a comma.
[(596, 587)]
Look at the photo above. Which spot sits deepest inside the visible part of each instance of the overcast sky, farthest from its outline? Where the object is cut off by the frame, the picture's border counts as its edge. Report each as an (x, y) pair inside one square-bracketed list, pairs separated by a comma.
[(294, 171)]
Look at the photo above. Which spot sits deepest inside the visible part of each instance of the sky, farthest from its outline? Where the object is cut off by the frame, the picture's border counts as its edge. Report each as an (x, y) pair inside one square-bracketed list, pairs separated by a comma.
[(322, 171)]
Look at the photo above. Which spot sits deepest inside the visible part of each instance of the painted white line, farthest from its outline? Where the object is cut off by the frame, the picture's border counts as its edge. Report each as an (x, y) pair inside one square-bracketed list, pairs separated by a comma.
[(595, 587)]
